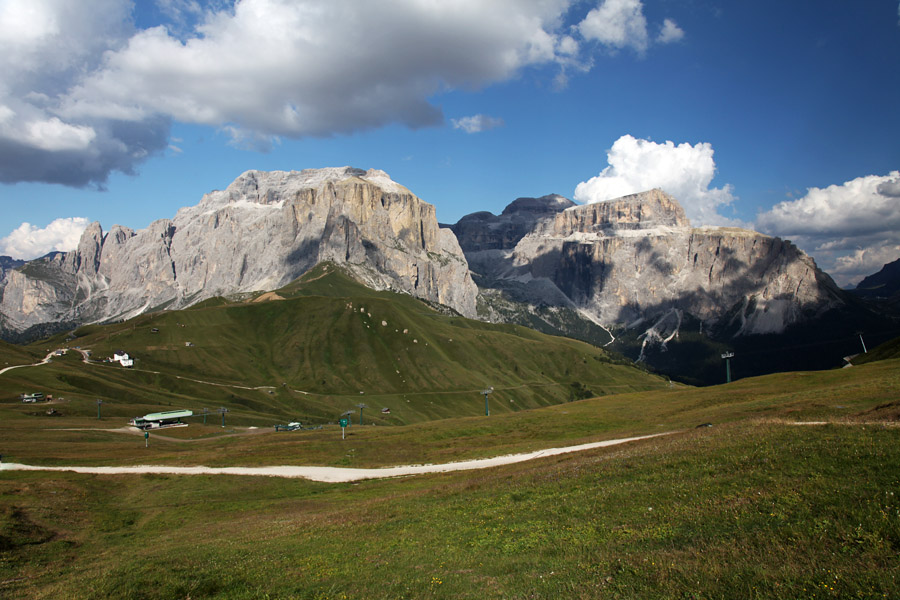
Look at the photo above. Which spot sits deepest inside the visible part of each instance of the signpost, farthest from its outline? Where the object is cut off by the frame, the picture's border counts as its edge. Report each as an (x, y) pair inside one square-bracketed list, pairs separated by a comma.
[(344, 422), (146, 439)]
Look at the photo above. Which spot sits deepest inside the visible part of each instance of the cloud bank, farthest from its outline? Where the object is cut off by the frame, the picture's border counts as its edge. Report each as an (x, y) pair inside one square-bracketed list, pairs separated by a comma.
[(851, 229), (85, 93), (28, 242), (683, 171)]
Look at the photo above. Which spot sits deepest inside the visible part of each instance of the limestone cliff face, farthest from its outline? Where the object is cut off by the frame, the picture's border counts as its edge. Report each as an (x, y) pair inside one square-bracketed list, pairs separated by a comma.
[(763, 282), (651, 210), (34, 291), (636, 261), (263, 231), (7, 264)]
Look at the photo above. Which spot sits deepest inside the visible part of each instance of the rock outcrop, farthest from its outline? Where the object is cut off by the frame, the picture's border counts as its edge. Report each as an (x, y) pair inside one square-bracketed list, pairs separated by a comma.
[(263, 231), (637, 262)]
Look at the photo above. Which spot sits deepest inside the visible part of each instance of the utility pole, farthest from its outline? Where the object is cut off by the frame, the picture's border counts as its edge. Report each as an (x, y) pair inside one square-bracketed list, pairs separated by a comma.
[(223, 410), (99, 402), (486, 391), (361, 407), (728, 356), (205, 412)]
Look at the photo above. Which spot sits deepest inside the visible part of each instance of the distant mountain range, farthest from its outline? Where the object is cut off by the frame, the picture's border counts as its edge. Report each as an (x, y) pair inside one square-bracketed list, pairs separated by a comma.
[(630, 273), (883, 285)]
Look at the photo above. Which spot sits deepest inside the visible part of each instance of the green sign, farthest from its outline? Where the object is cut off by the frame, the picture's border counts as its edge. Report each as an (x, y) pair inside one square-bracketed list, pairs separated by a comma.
[(344, 422), (146, 434)]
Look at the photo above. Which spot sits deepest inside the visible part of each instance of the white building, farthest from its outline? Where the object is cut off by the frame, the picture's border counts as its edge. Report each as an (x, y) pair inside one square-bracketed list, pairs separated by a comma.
[(123, 359)]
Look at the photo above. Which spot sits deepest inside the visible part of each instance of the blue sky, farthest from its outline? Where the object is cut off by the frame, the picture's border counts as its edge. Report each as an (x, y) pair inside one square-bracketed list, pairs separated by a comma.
[(778, 116)]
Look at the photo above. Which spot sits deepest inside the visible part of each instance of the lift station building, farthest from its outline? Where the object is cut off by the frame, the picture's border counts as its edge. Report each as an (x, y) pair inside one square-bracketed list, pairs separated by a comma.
[(170, 418)]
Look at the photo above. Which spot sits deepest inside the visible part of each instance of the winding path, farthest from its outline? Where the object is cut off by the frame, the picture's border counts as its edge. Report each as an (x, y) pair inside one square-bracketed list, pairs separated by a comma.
[(43, 362), (334, 474)]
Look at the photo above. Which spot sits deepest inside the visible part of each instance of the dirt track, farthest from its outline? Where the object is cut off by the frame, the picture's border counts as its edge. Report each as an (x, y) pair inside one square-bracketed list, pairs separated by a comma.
[(332, 474)]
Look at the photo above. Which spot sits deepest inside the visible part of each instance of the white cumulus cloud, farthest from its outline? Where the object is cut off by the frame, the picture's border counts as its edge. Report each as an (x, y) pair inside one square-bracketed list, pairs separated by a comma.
[(617, 23), (477, 123), (28, 242), (670, 32), (852, 229), (621, 24), (684, 171)]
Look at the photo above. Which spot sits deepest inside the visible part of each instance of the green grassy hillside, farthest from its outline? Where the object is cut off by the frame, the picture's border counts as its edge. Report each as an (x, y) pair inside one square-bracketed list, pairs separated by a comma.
[(791, 493), (325, 344), (11, 354)]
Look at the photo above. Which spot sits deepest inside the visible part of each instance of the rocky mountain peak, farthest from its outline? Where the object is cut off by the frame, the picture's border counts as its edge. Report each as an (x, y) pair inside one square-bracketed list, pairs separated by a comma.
[(645, 211), (259, 233), (86, 256), (635, 261), (273, 187), (549, 204)]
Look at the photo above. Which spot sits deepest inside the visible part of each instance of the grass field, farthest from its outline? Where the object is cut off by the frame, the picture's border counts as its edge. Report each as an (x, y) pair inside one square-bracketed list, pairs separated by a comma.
[(755, 506)]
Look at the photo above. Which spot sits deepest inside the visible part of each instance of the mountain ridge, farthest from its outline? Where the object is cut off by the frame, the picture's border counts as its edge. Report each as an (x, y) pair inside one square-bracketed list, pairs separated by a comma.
[(630, 272), (264, 230), (636, 258)]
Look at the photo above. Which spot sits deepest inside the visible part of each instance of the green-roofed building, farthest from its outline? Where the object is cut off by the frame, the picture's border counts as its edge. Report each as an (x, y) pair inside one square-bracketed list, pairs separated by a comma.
[(169, 418)]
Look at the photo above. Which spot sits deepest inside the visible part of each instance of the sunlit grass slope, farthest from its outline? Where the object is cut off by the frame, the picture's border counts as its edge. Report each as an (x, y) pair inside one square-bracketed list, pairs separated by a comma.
[(746, 510), (322, 345)]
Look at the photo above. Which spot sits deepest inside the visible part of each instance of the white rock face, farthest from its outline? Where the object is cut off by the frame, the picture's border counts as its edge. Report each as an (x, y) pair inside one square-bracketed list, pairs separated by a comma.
[(635, 261), (263, 231)]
